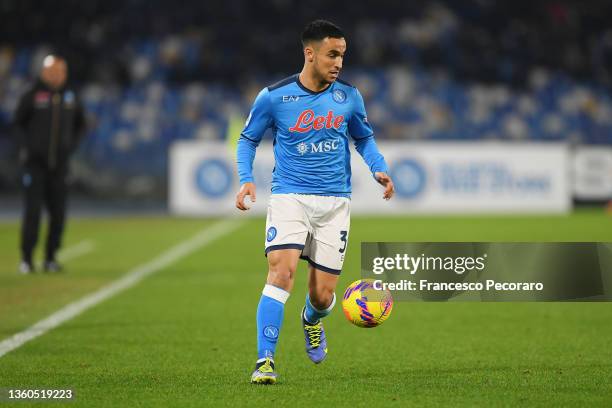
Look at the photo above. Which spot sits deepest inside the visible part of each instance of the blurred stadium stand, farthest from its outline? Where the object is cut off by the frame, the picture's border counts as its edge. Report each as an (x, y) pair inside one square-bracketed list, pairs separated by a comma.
[(151, 73)]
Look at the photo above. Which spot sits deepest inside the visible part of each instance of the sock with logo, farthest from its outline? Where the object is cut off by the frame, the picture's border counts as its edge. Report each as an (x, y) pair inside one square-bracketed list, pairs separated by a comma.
[(270, 312)]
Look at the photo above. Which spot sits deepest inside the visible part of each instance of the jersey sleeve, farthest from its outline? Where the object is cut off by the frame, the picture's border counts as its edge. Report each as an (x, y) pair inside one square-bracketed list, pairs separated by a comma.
[(358, 125), (260, 119), (363, 135), (367, 148)]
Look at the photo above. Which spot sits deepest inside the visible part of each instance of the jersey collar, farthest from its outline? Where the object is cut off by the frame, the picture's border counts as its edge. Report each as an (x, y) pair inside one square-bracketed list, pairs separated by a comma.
[(297, 81)]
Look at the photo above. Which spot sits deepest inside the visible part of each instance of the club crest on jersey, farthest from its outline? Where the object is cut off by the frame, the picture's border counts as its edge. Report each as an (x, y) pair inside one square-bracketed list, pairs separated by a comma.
[(271, 234), (308, 121), (42, 98), (339, 95), (69, 97)]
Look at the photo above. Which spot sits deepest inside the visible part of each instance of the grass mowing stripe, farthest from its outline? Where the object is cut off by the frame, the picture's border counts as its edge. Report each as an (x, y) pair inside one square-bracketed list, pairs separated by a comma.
[(134, 276)]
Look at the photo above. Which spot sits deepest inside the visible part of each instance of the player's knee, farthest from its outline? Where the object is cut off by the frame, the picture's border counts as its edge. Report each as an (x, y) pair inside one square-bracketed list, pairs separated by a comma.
[(280, 277), (280, 271)]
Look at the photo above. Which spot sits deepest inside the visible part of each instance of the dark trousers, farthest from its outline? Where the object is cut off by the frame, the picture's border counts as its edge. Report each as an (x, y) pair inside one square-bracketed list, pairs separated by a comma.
[(46, 187)]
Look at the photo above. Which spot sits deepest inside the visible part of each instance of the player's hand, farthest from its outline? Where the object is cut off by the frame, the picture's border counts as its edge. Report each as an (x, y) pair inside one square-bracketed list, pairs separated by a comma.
[(385, 181), (247, 189)]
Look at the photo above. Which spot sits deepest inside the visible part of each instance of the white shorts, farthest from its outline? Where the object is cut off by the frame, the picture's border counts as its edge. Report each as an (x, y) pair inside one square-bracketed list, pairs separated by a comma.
[(318, 225)]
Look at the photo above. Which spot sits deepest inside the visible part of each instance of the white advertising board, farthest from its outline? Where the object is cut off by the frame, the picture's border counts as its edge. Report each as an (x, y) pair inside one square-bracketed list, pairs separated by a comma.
[(592, 173), (429, 177)]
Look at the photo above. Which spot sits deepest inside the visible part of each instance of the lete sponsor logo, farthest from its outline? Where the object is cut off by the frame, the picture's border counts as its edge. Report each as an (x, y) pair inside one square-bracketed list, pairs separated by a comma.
[(307, 121)]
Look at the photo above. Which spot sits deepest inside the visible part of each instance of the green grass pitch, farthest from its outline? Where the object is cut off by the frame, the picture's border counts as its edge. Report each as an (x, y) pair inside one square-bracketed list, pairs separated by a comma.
[(186, 335)]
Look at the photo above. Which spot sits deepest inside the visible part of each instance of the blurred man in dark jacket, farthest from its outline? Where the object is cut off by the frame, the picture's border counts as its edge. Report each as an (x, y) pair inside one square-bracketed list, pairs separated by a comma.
[(50, 123)]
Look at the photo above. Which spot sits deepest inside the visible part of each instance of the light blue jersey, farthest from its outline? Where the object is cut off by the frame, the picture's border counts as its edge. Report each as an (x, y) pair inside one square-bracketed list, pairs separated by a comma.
[(311, 137)]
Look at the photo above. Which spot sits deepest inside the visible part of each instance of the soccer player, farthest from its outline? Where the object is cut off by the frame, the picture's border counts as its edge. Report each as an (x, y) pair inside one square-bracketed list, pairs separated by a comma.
[(313, 115)]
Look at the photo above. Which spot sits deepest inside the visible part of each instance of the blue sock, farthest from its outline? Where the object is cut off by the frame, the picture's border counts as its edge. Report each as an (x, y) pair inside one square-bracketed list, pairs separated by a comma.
[(269, 320), (313, 315)]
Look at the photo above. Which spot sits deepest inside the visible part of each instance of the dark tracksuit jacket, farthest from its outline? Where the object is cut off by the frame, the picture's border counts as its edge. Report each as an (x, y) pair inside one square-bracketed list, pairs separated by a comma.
[(49, 125)]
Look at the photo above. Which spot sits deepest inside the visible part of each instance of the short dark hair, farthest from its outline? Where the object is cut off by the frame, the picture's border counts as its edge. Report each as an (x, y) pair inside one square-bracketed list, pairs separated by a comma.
[(319, 29)]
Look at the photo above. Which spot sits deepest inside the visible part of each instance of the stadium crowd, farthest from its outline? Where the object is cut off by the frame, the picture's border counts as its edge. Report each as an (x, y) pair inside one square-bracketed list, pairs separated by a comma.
[(151, 73)]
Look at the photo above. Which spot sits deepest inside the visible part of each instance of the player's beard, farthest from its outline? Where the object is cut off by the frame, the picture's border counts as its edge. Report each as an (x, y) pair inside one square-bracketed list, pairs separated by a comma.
[(323, 77)]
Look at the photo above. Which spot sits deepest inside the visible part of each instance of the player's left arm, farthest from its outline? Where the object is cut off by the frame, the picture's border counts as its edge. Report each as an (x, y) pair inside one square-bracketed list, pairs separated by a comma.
[(362, 133)]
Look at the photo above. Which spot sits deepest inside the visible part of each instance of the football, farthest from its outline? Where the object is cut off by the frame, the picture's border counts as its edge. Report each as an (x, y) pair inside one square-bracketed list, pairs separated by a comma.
[(365, 306)]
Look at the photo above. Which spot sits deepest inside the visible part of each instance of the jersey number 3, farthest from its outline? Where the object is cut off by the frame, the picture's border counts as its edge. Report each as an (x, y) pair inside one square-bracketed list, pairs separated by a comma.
[(343, 235)]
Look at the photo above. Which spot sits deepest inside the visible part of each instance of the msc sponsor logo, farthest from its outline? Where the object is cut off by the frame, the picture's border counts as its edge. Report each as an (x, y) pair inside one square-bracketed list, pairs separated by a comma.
[(324, 146), (309, 121), (302, 148)]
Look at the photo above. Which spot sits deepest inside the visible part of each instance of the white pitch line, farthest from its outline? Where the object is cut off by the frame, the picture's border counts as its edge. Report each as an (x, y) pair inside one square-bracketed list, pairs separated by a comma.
[(134, 276), (82, 248)]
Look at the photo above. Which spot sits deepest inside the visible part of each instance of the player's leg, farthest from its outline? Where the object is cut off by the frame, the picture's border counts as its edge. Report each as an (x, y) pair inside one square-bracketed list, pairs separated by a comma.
[(325, 254), (286, 231), (321, 296), (270, 311), (56, 195), (320, 301), (282, 265), (33, 184)]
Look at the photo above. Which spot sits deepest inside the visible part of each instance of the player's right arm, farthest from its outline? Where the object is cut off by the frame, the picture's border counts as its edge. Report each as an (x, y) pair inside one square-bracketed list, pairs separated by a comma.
[(260, 119)]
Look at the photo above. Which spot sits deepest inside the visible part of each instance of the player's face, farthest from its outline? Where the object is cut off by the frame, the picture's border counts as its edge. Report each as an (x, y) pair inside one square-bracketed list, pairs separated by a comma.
[(328, 55)]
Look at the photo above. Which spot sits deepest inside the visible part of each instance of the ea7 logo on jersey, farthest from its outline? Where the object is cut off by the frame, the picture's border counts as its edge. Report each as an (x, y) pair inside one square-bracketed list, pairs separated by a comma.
[(307, 121), (290, 98)]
